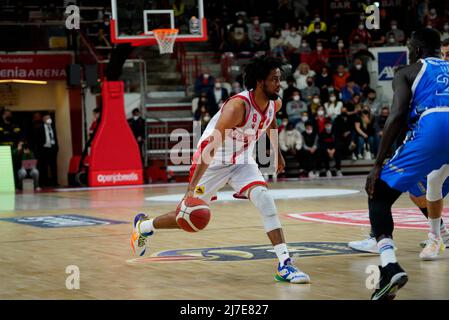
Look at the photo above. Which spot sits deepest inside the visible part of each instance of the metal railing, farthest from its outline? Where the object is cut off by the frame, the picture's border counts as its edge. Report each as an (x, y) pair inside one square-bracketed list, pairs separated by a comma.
[(157, 138)]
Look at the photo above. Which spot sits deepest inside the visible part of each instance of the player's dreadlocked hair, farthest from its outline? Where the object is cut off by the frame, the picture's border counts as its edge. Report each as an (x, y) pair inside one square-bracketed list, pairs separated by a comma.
[(258, 69)]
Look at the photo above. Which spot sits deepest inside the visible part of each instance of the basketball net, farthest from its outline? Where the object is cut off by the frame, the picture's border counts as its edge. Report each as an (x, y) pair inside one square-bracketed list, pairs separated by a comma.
[(165, 39)]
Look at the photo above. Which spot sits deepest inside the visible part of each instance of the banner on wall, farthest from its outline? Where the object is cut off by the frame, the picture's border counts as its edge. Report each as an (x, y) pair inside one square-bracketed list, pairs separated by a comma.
[(35, 66), (382, 69)]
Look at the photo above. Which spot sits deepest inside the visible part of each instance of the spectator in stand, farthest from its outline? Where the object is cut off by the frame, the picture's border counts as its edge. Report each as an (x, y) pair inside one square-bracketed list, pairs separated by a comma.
[(309, 92), (321, 119), (216, 96), (344, 133), (137, 125), (354, 107), (379, 125), (277, 45), (397, 33), (316, 36), (203, 84), (323, 79), (236, 88), (286, 31), (95, 121), (339, 56), (361, 34), (340, 77), (433, 20), (372, 102), (292, 44), (304, 50), (256, 34), (309, 153), (290, 142), (319, 58), (202, 115), (47, 151), (301, 125), (322, 26), (295, 108), (238, 36), (328, 150), (349, 90), (391, 41), (10, 133), (364, 127), (20, 154), (356, 46), (302, 74), (179, 12), (445, 32), (333, 106), (360, 73), (334, 37)]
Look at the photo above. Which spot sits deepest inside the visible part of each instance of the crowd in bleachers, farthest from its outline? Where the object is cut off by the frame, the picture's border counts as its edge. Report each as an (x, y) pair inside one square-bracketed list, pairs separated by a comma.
[(329, 110)]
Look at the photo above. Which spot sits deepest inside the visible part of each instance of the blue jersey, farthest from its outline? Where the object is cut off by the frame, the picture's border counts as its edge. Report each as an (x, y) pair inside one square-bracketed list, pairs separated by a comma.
[(430, 88)]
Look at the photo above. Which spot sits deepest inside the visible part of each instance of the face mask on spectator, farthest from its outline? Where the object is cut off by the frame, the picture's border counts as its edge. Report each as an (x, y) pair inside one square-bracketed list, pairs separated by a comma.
[(361, 27), (240, 21), (218, 85), (341, 45), (320, 113), (317, 30), (392, 40), (358, 66), (293, 33), (206, 76), (304, 44), (296, 98), (206, 118), (328, 128), (309, 131), (49, 121), (332, 99), (319, 48), (256, 22), (394, 27), (284, 122), (135, 118), (304, 118), (340, 74), (446, 27), (316, 100), (317, 19)]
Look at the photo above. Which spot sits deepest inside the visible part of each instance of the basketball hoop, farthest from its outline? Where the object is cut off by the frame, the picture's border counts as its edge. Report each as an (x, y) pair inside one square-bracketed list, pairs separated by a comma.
[(165, 39)]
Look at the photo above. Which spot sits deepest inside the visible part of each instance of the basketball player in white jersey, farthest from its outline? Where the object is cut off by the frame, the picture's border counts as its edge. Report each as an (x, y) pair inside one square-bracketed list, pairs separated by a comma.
[(228, 143)]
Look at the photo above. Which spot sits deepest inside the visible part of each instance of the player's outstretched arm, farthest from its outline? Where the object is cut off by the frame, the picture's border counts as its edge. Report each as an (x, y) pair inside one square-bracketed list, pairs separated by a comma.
[(233, 114), (272, 133), (393, 126)]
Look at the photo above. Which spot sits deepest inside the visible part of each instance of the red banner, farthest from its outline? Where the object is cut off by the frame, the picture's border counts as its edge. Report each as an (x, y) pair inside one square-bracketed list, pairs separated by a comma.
[(34, 66)]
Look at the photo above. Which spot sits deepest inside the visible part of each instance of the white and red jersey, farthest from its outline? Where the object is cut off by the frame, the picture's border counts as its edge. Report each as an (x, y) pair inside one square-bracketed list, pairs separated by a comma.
[(238, 145)]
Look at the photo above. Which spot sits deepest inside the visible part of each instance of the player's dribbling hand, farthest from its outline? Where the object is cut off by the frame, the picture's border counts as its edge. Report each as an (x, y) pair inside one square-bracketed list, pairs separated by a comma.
[(371, 180)]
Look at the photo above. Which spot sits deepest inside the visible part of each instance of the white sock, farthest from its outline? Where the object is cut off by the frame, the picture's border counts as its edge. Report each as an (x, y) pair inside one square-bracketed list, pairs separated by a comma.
[(435, 225), (386, 249), (146, 226), (281, 252)]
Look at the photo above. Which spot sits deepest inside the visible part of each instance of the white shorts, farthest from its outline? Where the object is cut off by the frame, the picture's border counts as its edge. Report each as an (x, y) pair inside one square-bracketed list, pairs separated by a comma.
[(241, 177), (435, 182)]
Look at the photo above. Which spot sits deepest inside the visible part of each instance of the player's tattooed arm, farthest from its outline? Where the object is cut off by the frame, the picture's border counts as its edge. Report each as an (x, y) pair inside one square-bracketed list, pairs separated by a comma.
[(395, 123), (232, 115)]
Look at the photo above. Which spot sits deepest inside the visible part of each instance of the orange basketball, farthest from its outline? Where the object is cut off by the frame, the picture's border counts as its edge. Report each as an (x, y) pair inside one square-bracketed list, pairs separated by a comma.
[(193, 214)]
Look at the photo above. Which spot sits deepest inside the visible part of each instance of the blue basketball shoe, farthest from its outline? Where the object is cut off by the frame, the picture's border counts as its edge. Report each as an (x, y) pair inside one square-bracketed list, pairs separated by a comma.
[(139, 240), (290, 273)]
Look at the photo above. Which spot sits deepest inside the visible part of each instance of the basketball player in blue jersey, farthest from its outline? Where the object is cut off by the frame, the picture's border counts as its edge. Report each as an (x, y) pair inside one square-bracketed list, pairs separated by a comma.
[(421, 100)]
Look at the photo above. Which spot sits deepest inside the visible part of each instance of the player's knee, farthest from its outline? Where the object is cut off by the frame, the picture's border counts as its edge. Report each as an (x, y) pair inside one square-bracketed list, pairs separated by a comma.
[(262, 199), (434, 189)]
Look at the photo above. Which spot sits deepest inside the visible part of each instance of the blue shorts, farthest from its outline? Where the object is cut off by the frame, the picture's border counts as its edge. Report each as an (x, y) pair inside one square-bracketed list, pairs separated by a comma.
[(419, 189), (425, 149)]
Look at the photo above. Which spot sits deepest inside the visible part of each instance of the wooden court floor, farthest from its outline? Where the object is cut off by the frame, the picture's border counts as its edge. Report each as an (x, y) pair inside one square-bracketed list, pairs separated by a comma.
[(228, 260)]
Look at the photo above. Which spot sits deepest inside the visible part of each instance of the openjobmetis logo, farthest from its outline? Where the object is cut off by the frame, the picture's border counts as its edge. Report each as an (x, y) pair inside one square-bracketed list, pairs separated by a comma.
[(118, 177), (404, 218)]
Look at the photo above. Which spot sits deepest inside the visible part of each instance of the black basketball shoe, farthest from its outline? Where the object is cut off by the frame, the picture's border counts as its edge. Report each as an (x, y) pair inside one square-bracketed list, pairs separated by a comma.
[(392, 278)]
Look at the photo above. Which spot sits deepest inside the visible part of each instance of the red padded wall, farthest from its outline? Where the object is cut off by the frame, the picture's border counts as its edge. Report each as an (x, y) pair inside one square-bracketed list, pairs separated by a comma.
[(115, 157)]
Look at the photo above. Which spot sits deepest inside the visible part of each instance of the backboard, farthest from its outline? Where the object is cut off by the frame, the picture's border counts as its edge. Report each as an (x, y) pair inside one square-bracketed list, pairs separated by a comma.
[(133, 21)]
